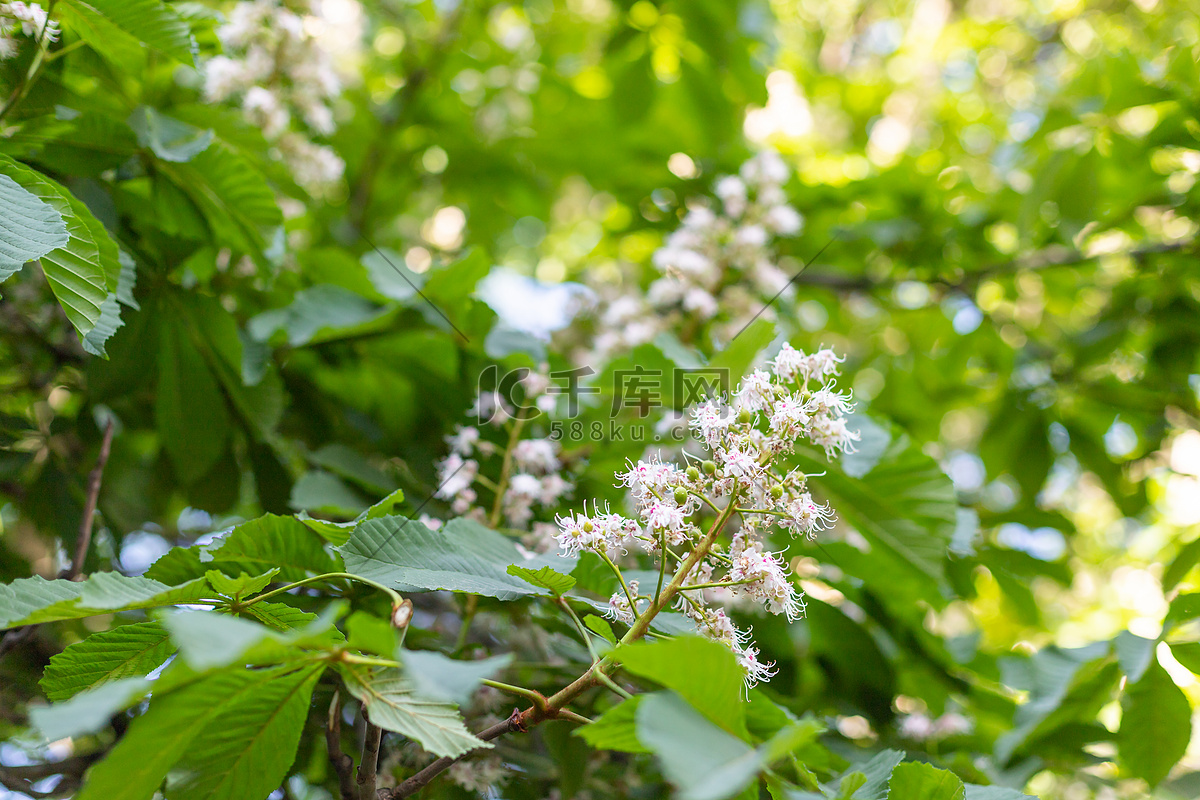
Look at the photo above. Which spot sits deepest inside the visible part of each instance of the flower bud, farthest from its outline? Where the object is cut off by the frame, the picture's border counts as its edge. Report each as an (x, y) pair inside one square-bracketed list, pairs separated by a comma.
[(402, 614), (693, 474), (681, 496), (709, 467), (744, 416), (588, 526), (776, 491)]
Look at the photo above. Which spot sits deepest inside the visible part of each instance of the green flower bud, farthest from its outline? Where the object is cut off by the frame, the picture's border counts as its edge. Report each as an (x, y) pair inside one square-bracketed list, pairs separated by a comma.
[(681, 496), (777, 491), (744, 416), (693, 474), (709, 468)]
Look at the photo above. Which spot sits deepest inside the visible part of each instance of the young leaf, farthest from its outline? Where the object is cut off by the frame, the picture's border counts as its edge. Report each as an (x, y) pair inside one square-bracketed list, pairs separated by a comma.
[(703, 672), (545, 578), (875, 773), (167, 138), (391, 703), (464, 556), (207, 639), (29, 227), (600, 625), (916, 781), (123, 652), (1156, 725), (137, 765)]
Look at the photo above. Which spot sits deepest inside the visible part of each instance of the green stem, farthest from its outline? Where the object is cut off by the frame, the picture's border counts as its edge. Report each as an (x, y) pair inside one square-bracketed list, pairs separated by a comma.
[(662, 561), (587, 640), (716, 585), (396, 598), (537, 698), (370, 661), (617, 571)]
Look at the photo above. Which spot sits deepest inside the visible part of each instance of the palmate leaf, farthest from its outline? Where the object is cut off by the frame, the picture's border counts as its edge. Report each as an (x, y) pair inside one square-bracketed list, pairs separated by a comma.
[(110, 310), (544, 578), (238, 729), (438, 677), (83, 271), (149, 22), (29, 227), (616, 729), (391, 703), (28, 601), (88, 711), (464, 556), (916, 781), (123, 652)]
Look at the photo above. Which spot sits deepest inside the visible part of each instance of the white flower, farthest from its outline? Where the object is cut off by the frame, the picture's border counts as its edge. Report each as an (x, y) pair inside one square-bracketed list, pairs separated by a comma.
[(463, 440), (756, 671), (783, 220), (537, 455), (739, 463), (790, 416), (823, 364), (789, 363), (264, 109), (832, 434), (806, 516), (8, 46), (756, 392), (33, 19)]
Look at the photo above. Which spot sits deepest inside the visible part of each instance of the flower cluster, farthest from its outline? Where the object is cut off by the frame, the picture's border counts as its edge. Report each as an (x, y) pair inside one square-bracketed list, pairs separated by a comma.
[(721, 258), (284, 79), (743, 477), (28, 19), (530, 473)]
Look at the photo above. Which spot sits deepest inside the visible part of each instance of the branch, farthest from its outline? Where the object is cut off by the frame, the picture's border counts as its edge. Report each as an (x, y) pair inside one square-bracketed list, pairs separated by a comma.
[(554, 708), (75, 571), (370, 759), (342, 763)]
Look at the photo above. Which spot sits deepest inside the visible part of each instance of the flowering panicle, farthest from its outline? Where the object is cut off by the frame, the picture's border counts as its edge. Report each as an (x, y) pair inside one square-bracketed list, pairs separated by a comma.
[(531, 471), (284, 79), (720, 259), (27, 19), (746, 439)]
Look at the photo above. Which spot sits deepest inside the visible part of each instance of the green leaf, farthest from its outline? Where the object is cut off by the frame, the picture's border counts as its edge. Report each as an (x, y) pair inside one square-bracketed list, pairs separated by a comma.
[(247, 749), (703, 672), (354, 467), (616, 729), (167, 138), (1134, 654), (318, 314), (875, 773), (1177, 570), (242, 586), (1188, 654), (705, 762), (29, 227), (1156, 724), (148, 21), (281, 616), (254, 547), (207, 639), (140, 761), (545, 578), (190, 410), (370, 634), (391, 703), (600, 625), (464, 556), (33, 600), (916, 781), (110, 310), (122, 652), (905, 505), (324, 493), (85, 269), (438, 677), (976, 792), (88, 711), (739, 354)]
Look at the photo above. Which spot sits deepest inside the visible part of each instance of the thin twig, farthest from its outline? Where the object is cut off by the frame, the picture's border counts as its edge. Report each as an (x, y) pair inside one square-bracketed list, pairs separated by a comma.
[(342, 763), (86, 524)]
